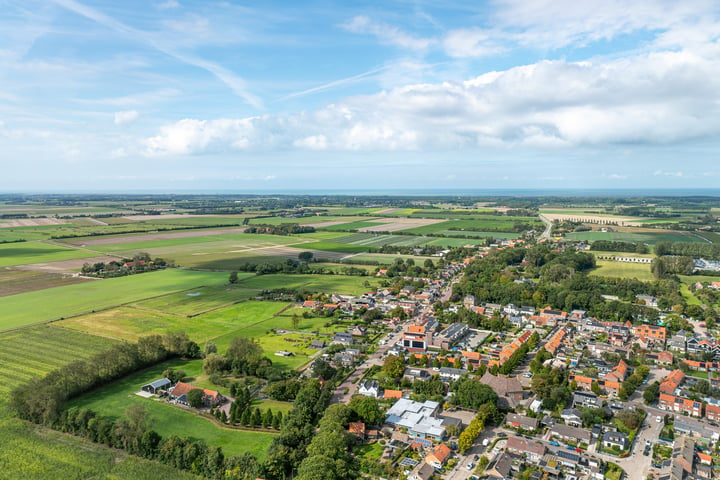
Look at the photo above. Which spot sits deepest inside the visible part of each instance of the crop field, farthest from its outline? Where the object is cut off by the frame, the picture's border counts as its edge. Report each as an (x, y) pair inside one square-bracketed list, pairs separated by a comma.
[(387, 258), (711, 236), (607, 268), (454, 242), (639, 237), (351, 225), (350, 285), (316, 220), (33, 352), (13, 281), (54, 303), (459, 226), (112, 400), (474, 234), (37, 252), (32, 453)]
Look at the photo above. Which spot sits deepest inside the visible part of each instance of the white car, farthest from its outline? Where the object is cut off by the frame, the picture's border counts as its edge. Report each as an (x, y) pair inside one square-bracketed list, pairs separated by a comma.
[(658, 419), (470, 466)]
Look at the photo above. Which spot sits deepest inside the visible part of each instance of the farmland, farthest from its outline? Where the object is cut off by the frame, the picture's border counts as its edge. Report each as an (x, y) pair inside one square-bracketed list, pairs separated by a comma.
[(322, 283), (113, 399), (641, 236), (19, 281), (53, 303), (33, 352), (37, 252)]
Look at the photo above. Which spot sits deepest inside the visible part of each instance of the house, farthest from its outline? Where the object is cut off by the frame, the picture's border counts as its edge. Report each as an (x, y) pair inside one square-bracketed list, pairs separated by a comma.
[(683, 458), (448, 374), (680, 404), (672, 382), (532, 451), (509, 390), (370, 388), (439, 456), (423, 471), (712, 410), (359, 331), (179, 393), (572, 417), (318, 344), (392, 394), (416, 338), (521, 421), (648, 300), (586, 399), (156, 386), (357, 429), (619, 373), (500, 468), (615, 439), (566, 432), (343, 338), (653, 332), (661, 358), (415, 374)]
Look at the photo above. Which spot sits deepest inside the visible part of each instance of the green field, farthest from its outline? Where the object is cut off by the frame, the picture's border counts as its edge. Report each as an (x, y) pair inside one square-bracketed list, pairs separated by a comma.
[(352, 225), (35, 453), (113, 399), (38, 252), (201, 299), (645, 237), (13, 282), (459, 227), (340, 284), (389, 258), (33, 352), (53, 303), (608, 268)]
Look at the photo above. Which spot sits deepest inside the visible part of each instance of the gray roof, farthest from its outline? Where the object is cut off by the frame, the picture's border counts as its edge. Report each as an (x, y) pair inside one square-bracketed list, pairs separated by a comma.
[(159, 383)]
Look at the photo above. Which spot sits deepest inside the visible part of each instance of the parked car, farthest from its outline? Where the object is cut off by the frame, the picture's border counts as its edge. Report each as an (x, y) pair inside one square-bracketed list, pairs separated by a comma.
[(579, 450), (658, 419), (554, 444), (470, 466), (502, 434), (570, 447)]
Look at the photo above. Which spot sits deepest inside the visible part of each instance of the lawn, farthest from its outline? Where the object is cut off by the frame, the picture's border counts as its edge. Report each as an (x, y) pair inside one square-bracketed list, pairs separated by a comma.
[(608, 268), (112, 400), (37, 252), (55, 303), (341, 284), (35, 351)]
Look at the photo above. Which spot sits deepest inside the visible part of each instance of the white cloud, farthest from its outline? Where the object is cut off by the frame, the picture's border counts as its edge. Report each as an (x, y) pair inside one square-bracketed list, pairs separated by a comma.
[(386, 34), (128, 116), (658, 98), (471, 42), (658, 173), (169, 4)]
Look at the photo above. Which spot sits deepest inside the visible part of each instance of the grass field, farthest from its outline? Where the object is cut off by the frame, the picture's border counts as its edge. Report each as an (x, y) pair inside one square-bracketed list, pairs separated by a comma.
[(33, 352), (112, 400), (53, 303), (37, 252), (351, 226), (13, 282), (387, 258), (200, 299), (607, 268), (645, 237), (350, 285)]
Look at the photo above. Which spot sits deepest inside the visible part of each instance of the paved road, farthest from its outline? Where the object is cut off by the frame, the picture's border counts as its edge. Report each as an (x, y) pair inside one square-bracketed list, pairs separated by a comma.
[(548, 227)]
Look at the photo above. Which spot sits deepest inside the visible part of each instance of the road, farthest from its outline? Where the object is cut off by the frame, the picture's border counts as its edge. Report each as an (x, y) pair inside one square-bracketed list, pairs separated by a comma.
[(548, 227)]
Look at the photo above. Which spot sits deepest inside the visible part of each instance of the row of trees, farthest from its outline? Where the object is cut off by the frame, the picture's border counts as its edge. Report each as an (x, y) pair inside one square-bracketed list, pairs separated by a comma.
[(689, 249), (281, 229), (519, 355), (617, 246), (42, 400), (468, 436)]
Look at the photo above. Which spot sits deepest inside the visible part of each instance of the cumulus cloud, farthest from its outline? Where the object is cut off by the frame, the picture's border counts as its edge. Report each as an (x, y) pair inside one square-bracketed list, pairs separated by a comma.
[(657, 98), (169, 4), (128, 116), (386, 34)]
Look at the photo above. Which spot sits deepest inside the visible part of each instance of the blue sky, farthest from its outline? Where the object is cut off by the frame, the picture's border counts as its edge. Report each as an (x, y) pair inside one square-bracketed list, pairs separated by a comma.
[(268, 95)]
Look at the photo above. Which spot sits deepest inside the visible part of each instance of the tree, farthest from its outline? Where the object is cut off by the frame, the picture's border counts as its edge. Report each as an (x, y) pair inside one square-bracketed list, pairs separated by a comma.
[(470, 393), (368, 409), (256, 418), (210, 347), (174, 375), (233, 278), (295, 321), (651, 393), (394, 366), (195, 397), (267, 418), (305, 256), (595, 387)]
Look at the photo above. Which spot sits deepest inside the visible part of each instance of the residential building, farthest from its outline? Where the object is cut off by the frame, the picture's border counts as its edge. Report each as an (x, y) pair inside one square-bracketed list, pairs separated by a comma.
[(586, 399), (572, 417), (509, 390), (500, 468), (210, 398), (439, 456), (615, 439), (521, 421), (448, 374), (653, 332), (420, 420), (157, 386), (415, 338), (370, 388), (343, 338), (678, 404), (566, 432), (532, 451)]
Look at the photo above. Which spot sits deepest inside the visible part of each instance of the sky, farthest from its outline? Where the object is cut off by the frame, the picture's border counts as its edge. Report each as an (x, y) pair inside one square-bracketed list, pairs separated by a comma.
[(176, 95)]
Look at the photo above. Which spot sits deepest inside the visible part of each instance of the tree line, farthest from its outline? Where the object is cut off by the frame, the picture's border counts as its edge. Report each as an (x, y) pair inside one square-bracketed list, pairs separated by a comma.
[(617, 246), (710, 251)]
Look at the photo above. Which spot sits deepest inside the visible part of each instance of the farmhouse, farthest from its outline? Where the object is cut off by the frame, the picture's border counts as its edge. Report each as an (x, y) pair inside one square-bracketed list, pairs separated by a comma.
[(180, 391)]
